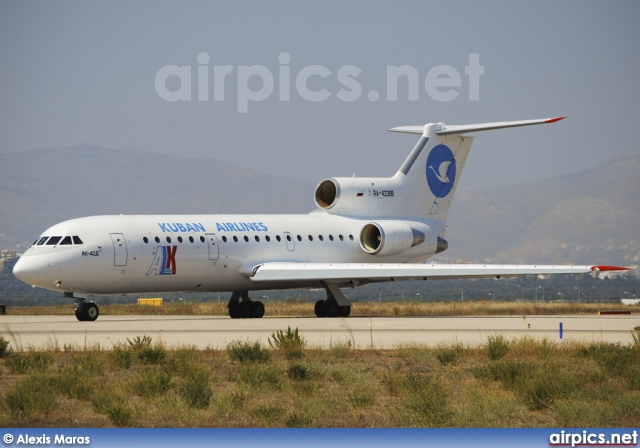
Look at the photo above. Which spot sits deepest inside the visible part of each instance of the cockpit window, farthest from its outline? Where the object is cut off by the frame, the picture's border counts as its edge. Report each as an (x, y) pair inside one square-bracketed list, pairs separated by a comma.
[(66, 241), (77, 240), (53, 240), (42, 240)]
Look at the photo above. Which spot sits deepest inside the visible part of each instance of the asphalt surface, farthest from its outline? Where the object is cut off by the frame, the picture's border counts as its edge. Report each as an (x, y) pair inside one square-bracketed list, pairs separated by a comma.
[(380, 332)]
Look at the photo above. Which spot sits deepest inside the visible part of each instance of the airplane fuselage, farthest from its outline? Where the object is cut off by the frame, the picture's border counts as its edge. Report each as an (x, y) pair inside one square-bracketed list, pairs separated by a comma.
[(123, 254)]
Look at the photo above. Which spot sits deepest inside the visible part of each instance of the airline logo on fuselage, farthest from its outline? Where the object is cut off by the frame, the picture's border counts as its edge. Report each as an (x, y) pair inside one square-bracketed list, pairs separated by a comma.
[(241, 227), (175, 227), (164, 261)]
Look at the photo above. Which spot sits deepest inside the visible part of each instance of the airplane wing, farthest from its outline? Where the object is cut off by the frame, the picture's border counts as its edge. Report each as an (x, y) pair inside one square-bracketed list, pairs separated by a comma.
[(361, 273)]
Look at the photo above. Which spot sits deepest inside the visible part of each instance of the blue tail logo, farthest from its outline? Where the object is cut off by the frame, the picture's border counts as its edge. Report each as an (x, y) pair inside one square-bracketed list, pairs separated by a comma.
[(441, 171)]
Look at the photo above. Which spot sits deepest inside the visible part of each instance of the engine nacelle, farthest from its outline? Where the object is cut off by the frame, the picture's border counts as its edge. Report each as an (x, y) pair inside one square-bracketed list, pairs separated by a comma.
[(389, 238), (358, 196)]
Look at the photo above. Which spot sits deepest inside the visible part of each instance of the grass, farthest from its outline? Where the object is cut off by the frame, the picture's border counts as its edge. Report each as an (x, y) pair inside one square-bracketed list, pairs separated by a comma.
[(358, 309), (531, 384)]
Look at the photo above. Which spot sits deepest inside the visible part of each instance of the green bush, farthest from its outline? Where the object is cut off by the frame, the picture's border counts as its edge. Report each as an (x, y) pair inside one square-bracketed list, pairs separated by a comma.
[(197, 394), (635, 334), (291, 343), (509, 373), (341, 349), (196, 389), (152, 355), (122, 357), (4, 347), (362, 396), (497, 346), (298, 372), (31, 361), (297, 420), (449, 355), (119, 414), (615, 359), (139, 343), (33, 394), (428, 398), (151, 383), (245, 351), (270, 414)]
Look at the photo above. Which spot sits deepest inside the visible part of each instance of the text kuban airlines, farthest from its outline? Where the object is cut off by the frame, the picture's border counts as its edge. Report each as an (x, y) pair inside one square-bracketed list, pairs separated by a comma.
[(364, 230)]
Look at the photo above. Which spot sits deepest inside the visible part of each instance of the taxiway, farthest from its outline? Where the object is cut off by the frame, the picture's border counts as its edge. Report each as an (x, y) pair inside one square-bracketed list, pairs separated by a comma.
[(380, 332)]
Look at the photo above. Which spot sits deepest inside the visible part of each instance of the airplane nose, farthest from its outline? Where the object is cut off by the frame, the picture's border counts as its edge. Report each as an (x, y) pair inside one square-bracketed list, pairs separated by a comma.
[(32, 270)]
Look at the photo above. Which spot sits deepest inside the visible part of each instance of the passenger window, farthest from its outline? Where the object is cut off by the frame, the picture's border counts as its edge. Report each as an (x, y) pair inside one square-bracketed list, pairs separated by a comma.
[(224, 239), (157, 240), (42, 240), (168, 239), (53, 240), (77, 240), (191, 239), (299, 238), (341, 237), (235, 239), (257, 239), (310, 238), (320, 237), (331, 237), (146, 240), (351, 237), (268, 238), (246, 239), (66, 241), (279, 239), (201, 239)]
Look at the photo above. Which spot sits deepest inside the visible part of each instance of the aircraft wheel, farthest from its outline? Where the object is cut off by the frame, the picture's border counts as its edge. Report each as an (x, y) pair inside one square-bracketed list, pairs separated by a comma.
[(79, 314), (246, 310), (90, 311), (258, 310), (333, 309), (345, 311), (321, 308), (234, 311)]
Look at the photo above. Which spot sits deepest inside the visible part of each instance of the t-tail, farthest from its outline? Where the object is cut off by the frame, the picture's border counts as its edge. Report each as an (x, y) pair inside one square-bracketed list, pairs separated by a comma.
[(424, 185)]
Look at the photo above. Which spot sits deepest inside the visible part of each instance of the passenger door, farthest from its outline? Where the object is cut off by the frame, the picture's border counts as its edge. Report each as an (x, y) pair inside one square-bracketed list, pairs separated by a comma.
[(119, 249), (212, 242)]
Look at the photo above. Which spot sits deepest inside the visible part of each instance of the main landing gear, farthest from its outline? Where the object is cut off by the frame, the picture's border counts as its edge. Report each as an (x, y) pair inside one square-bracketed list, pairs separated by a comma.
[(242, 307), (86, 311), (335, 305)]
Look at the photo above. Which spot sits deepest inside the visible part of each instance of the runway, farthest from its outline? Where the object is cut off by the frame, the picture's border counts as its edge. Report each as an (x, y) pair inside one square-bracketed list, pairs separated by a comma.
[(380, 332)]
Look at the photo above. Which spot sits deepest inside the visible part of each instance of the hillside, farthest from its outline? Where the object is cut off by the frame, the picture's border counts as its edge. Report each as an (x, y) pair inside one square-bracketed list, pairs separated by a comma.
[(586, 217), (42, 187)]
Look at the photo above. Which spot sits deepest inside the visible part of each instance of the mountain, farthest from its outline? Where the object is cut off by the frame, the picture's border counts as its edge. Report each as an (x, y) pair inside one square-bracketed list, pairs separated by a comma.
[(41, 187), (591, 216)]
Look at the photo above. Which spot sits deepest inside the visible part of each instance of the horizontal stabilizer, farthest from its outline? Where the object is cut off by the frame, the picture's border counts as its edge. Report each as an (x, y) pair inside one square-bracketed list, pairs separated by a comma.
[(371, 272), (461, 129)]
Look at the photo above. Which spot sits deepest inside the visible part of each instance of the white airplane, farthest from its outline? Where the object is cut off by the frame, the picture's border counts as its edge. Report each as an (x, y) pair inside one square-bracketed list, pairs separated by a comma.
[(365, 230)]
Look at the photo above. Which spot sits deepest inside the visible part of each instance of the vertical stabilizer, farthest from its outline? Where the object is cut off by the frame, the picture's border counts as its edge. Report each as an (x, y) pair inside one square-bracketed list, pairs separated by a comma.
[(424, 185)]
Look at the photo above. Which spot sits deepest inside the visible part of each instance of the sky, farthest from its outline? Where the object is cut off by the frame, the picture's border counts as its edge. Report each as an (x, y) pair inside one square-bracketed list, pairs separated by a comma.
[(306, 89)]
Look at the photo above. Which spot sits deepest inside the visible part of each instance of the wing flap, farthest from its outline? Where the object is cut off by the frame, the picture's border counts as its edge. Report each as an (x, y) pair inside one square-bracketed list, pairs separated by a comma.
[(371, 272)]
